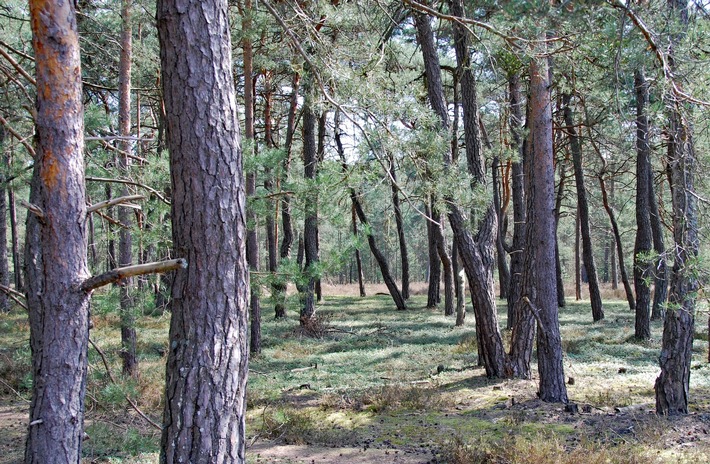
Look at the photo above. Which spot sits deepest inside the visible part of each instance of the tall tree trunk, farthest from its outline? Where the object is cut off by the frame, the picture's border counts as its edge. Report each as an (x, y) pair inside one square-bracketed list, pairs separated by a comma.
[(477, 255), (310, 226), (252, 238), (556, 213), (540, 246), (518, 193), (56, 245), (673, 384), (642, 245), (206, 373), (271, 216), (583, 211), (286, 225), (404, 257), (460, 280), (4, 264), (613, 271), (125, 239)]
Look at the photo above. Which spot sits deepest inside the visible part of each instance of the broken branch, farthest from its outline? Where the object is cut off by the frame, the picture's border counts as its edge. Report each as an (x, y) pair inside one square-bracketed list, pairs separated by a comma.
[(114, 201), (121, 273)]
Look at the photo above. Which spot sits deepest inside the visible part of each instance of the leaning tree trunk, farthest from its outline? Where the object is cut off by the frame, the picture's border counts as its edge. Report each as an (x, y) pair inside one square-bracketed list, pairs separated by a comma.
[(56, 245), (360, 212), (583, 211), (619, 247), (477, 255), (125, 239), (206, 372), (642, 245)]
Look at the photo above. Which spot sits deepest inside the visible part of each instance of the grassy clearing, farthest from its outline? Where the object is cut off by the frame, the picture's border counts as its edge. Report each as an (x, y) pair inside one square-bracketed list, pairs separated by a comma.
[(381, 379)]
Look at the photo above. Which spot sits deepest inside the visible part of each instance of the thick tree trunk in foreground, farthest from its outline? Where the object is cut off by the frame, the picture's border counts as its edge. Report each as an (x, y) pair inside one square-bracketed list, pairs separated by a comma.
[(673, 384), (642, 245), (56, 259), (207, 362), (583, 211)]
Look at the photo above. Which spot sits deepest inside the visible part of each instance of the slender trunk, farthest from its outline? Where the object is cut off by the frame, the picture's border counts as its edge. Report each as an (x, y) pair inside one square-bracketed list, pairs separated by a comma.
[(577, 261), (4, 263), (503, 269), (359, 211), (613, 271), (252, 238), (434, 260), (583, 211), (56, 244), (310, 226), (125, 239), (438, 230), (518, 192), (556, 213), (619, 247), (460, 280), (358, 258), (404, 257), (642, 246), (286, 224), (207, 366), (16, 259)]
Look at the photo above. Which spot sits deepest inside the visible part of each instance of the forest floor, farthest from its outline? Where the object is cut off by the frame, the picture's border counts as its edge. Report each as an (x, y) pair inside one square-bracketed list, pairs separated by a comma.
[(376, 385)]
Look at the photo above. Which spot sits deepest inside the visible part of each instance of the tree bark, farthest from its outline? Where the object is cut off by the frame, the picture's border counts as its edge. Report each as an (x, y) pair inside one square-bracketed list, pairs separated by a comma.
[(673, 384), (56, 245), (583, 211), (207, 369), (252, 238), (518, 193), (501, 255), (286, 223), (477, 255), (310, 227), (643, 243), (443, 253), (541, 238), (433, 290), (660, 272), (404, 256), (125, 239), (4, 263)]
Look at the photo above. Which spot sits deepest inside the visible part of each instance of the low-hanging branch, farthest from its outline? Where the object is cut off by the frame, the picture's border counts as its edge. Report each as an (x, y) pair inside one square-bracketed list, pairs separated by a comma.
[(115, 201), (121, 273)]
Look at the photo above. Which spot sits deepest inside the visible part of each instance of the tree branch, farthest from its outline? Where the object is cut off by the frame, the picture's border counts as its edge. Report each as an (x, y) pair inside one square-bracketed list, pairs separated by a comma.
[(128, 182), (19, 138), (114, 201), (15, 295), (121, 273)]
